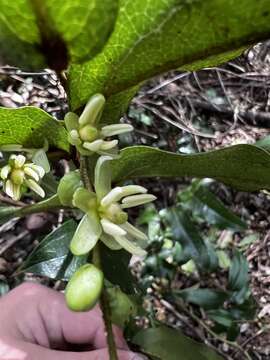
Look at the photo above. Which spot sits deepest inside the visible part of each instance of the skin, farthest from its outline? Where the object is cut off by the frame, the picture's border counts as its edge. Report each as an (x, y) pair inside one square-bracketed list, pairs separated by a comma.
[(36, 324)]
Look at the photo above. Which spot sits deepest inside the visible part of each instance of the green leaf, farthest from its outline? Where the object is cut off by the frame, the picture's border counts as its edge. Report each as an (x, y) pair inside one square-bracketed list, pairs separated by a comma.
[(193, 245), (165, 343), (30, 126), (245, 167), (238, 274), (115, 267), (49, 32), (156, 36), (207, 205), (205, 298), (52, 258)]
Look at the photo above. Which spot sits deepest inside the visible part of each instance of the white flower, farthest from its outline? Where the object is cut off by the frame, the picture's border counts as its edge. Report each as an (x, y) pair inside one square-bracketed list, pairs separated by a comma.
[(85, 133), (105, 217), (18, 173)]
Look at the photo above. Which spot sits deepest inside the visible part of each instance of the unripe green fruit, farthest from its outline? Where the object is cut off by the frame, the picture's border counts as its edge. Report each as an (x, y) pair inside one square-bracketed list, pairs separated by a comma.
[(122, 307), (67, 186), (84, 288), (17, 176)]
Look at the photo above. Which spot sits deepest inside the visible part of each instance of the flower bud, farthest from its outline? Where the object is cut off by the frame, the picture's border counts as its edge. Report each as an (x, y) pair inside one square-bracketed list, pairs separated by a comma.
[(67, 187), (84, 288)]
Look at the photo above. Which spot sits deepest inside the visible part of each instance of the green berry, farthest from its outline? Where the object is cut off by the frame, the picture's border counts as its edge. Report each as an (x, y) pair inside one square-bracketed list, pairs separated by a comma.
[(84, 288)]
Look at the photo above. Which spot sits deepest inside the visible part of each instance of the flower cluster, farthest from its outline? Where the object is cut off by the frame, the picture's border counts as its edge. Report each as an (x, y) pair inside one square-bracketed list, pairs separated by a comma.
[(105, 216), (85, 133), (19, 173)]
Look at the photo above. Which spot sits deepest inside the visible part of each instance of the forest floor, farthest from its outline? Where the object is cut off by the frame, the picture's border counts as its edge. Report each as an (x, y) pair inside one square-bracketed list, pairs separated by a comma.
[(184, 113)]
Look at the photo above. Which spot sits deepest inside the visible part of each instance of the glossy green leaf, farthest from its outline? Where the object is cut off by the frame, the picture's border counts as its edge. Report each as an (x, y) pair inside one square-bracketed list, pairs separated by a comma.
[(238, 275), (30, 126), (52, 258), (115, 267), (205, 298), (165, 343), (206, 205), (151, 37), (244, 167), (49, 32), (194, 247)]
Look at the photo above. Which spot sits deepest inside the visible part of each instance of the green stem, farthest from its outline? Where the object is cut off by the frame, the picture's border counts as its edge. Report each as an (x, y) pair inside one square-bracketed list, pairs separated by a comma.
[(104, 303), (10, 212)]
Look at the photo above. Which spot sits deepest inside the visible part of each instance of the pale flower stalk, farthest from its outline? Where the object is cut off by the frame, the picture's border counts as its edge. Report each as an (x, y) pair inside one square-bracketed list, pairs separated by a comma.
[(106, 218), (18, 173), (85, 133)]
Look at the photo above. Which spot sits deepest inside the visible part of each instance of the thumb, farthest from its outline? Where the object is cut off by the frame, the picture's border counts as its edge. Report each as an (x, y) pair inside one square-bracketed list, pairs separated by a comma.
[(28, 351)]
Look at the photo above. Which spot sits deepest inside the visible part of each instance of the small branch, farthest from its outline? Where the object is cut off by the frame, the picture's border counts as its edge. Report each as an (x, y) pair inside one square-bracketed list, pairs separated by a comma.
[(211, 332), (104, 303)]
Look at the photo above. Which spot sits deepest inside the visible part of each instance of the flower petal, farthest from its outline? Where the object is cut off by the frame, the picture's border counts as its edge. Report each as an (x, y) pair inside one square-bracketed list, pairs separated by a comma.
[(41, 161), (30, 172), (108, 145), (134, 232), (19, 161), (35, 187), (8, 188), (84, 200), (130, 246), (71, 121), (114, 195), (16, 192), (103, 176), (93, 146), (86, 234), (39, 169), (135, 200), (110, 242), (112, 229), (115, 129), (93, 110), (5, 172)]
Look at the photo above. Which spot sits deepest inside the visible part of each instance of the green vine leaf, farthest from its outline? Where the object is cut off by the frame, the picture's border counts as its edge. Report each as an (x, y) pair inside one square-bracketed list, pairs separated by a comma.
[(244, 167), (151, 37), (30, 126), (74, 30)]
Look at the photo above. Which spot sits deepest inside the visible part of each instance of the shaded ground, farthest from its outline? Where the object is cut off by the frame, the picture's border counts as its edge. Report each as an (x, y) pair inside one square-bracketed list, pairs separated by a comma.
[(180, 112)]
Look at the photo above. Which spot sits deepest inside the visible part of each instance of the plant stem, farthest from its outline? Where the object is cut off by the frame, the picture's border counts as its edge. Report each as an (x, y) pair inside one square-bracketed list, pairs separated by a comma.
[(104, 303)]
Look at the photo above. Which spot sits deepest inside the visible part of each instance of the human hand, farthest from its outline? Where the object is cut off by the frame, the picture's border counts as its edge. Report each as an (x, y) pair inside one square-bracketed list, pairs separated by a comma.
[(35, 324)]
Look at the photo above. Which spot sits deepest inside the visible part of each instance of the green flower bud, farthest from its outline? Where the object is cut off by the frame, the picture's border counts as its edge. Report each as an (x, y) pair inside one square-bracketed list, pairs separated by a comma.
[(67, 186), (122, 307), (84, 288)]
